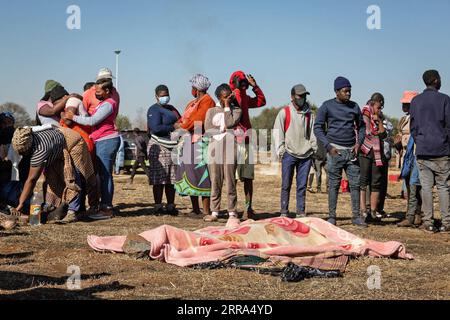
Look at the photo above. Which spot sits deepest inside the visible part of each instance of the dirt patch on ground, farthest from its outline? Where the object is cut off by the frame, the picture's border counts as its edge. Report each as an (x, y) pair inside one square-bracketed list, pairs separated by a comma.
[(34, 261)]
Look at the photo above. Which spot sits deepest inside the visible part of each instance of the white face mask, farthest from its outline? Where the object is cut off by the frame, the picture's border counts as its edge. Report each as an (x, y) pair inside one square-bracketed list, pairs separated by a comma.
[(164, 100)]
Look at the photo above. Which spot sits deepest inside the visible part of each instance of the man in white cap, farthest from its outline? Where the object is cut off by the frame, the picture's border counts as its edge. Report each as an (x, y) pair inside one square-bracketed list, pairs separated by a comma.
[(90, 101)]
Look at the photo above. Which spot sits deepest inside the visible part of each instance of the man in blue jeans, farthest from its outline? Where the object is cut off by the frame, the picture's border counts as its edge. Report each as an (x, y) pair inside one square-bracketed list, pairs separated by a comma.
[(106, 151), (430, 128), (295, 145), (340, 127)]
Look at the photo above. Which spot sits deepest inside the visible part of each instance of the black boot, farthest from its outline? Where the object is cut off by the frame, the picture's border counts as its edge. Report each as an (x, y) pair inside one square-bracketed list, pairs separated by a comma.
[(371, 217)]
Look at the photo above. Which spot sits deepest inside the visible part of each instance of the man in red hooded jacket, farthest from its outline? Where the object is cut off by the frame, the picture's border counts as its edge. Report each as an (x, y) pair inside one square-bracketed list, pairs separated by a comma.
[(239, 83)]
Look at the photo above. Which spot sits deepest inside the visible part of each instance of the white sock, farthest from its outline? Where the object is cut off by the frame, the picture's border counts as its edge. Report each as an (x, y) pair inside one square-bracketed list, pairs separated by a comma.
[(215, 214), (232, 215)]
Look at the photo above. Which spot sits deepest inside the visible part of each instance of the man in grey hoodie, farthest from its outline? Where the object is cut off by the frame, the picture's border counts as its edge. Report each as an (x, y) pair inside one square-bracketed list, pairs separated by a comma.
[(295, 146)]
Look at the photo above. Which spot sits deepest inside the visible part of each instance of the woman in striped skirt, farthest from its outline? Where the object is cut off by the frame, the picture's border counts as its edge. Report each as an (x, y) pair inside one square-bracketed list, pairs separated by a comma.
[(161, 118)]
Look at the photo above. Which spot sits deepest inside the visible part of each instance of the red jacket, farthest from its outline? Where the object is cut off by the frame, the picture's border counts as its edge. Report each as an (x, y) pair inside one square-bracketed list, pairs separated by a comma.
[(247, 102)]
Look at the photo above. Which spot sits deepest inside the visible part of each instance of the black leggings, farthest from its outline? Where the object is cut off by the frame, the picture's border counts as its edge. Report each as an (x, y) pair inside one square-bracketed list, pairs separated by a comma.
[(140, 162), (371, 175)]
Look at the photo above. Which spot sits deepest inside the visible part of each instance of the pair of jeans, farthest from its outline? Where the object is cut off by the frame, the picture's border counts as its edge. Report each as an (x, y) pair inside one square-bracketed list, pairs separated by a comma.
[(414, 201), (79, 203), (106, 151), (435, 171), (290, 165), (10, 193), (336, 164)]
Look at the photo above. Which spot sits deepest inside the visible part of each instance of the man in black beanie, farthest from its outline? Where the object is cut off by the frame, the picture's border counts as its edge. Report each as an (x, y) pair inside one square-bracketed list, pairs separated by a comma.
[(345, 132)]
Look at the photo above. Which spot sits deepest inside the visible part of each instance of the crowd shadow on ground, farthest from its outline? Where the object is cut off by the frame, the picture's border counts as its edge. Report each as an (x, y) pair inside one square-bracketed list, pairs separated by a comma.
[(146, 209), (11, 280), (43, 293), (14, 233), (15, 259), (125, 210), (390, 219), (36, 287)]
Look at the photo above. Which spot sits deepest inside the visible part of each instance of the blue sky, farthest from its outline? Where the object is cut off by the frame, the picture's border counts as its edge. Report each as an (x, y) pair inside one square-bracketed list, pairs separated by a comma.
[(281, 43)]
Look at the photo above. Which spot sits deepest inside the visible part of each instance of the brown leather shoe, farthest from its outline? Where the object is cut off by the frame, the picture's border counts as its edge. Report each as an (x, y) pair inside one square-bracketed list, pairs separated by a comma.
[(103, 214), (418, 220), (407, 223)]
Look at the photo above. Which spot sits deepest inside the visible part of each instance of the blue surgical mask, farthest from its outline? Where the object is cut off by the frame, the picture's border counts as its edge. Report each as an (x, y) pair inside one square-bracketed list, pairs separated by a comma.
[(164, 100)]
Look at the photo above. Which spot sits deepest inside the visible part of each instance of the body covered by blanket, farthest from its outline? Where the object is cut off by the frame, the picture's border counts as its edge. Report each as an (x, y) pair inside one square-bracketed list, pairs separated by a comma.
[(310, 242)]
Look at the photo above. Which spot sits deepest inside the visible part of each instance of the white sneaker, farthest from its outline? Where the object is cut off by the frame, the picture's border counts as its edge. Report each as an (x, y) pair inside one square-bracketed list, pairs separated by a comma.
[(233, 221), (232, 215), (71, 217)]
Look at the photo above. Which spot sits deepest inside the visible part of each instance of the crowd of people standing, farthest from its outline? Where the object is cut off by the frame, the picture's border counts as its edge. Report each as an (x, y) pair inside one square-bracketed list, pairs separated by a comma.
[(210, 145)]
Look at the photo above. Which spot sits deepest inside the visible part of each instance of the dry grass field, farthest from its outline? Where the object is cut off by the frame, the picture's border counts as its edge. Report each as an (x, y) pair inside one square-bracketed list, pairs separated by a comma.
[(34, 261)]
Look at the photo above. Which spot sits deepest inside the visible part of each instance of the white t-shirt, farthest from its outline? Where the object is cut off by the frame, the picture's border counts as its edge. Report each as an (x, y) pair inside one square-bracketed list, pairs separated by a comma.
[(78, 104), (54, 120)]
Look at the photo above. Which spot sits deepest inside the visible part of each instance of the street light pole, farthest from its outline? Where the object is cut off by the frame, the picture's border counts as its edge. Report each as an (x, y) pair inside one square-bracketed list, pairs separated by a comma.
[(117, 52)]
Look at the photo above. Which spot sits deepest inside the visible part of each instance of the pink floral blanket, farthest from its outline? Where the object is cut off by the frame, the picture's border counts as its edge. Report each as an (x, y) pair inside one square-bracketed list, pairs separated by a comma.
[(308, 242)]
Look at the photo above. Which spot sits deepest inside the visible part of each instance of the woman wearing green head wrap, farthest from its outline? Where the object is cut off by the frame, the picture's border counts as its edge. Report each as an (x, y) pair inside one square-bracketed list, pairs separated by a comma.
[(50, 85), (49, 108)]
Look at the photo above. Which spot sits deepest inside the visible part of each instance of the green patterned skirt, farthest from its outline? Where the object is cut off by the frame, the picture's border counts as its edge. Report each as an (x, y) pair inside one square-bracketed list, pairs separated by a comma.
[(192, 176)]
